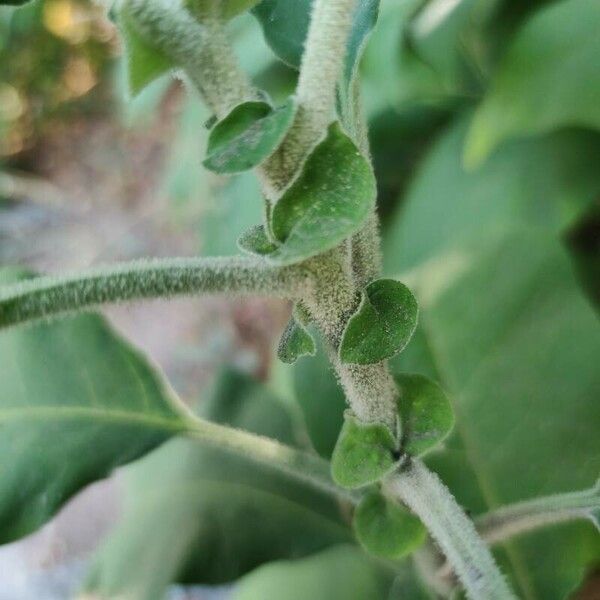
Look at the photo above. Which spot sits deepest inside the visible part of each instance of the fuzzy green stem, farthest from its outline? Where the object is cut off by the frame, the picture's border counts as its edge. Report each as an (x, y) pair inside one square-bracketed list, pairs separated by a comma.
[(423, 492), (44, 297), (515, 519), (301, 465)]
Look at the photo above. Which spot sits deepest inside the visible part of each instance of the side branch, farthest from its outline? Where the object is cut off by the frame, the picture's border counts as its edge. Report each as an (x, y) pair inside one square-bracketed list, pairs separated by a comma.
[(44, 297), (423, 492), (515, 519), (298, 464)]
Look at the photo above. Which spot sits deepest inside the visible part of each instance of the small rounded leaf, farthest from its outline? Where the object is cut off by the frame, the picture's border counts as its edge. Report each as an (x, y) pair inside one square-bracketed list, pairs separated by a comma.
[(329, 201), (363, 454), (296, 341), (256, 241), (248, 135), (387, 529), (426, 413), (383, 325)]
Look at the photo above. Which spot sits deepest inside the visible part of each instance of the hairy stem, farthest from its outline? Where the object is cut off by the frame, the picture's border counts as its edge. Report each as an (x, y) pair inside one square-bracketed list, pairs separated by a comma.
[(423, 492), (322, 63), (515, 519), (44, 297)]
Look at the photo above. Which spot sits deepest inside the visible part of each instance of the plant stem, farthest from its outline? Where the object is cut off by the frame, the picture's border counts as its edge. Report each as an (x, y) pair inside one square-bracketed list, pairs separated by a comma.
[(44, 297), (515, 519), (201, 49), (299, 464), (423, 492)]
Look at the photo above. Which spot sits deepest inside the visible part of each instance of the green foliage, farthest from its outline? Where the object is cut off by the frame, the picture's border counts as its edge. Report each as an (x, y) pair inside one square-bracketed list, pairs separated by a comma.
[(508, 361), (320, 399), (145, 61), (219, 515), (77, 402), (363, 454), (330, 200), (386, 529), (548, 79), (425, 412), (382, 325), (247, 136), (339, 573), (296, 340)]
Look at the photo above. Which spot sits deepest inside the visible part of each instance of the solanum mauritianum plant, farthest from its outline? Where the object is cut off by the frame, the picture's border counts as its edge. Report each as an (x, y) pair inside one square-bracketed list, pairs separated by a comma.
[(318, 245)]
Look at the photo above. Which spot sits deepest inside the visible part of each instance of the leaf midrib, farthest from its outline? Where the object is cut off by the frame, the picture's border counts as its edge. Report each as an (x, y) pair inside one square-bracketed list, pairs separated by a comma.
[(57, 413)]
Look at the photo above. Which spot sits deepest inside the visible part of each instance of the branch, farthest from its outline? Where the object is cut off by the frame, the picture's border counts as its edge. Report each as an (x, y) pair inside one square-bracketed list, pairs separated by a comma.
[(515, 519), (299, 464), (424, 493), (44, 297)]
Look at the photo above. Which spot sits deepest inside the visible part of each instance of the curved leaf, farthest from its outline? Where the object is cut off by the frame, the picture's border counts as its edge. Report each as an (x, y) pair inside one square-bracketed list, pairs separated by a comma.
[(426, 413), (386, 529), (383, 324), (549, 78), (329, 201), (76, 401), (248, 135), (364, 453)]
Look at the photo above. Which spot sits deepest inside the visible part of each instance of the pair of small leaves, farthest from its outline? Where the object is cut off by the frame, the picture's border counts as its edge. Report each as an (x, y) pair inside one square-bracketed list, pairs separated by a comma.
[(329, 201), (296, 340), (385, 528), (366, 452), (383, 324), (248, 135)]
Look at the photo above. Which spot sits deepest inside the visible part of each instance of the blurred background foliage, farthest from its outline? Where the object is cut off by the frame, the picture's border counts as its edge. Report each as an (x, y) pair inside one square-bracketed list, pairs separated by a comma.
[(485, 136)]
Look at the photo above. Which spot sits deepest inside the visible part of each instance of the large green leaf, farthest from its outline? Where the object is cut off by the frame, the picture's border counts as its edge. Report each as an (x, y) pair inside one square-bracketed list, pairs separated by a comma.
[(516, 346), (76, 401), (549, 78), (546, 182), (329, 201), (340, 573), (218, 515)]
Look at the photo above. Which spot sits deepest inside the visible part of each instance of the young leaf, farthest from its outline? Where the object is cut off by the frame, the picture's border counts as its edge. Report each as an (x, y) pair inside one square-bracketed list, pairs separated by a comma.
[(145, 62), (382, 325), (76, 401), (559, 44), (247, 136), (296, 340), (363, 454), (425, 411), (255, 241), (386, 529), (329, 201)]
